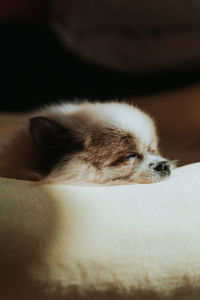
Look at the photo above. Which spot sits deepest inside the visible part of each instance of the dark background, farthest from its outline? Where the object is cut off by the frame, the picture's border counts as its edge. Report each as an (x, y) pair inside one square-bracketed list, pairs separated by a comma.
[(36, 68)]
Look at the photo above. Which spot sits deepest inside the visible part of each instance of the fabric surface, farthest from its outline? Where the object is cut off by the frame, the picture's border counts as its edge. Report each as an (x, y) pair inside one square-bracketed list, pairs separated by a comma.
[(131, 35), (124, 242)]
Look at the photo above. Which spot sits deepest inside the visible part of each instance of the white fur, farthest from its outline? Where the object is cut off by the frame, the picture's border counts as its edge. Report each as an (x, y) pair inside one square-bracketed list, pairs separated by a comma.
[(128, 118), (121, 115)]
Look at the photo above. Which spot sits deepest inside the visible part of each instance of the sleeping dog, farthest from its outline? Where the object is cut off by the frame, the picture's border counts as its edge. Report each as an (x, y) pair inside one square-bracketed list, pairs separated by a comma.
[(85, 143)]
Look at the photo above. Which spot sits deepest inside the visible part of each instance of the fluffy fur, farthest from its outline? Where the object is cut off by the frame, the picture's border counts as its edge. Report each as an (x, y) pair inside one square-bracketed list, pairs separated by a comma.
[(101, 143)]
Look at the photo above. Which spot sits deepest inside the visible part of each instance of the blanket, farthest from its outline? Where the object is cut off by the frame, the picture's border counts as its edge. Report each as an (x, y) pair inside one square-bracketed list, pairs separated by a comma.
[(124, 242)]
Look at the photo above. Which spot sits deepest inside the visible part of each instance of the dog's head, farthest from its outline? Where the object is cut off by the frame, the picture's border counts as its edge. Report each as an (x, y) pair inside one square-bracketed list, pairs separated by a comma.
[(109, 143)]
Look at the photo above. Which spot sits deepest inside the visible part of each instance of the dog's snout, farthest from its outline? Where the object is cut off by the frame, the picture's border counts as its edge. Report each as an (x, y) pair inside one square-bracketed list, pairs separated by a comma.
[(162, 166)]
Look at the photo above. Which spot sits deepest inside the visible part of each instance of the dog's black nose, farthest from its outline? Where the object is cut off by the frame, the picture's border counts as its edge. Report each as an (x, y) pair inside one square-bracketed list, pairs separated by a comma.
[(163, 166)]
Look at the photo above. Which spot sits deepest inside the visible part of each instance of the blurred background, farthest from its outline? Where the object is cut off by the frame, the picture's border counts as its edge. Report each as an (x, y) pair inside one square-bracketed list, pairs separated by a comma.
[(145, 51), (95, 49)]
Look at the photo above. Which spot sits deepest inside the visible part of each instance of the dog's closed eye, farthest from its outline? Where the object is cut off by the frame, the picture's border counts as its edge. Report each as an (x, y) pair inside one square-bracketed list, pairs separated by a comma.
[(126, 158)]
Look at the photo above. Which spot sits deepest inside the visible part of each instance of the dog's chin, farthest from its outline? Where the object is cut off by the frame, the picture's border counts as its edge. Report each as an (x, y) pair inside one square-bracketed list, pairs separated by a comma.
[(151, 178)]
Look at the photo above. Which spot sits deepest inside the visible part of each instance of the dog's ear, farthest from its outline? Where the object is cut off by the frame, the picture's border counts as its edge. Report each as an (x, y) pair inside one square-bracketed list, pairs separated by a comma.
[(52, 138)]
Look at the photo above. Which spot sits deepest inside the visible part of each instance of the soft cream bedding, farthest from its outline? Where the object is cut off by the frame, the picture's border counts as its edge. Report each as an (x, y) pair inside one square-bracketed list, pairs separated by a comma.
[(123, 242), (113, 243)]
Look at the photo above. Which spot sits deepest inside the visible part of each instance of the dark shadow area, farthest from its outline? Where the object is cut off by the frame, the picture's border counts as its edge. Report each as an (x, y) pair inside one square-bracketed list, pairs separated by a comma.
[(37, 68)]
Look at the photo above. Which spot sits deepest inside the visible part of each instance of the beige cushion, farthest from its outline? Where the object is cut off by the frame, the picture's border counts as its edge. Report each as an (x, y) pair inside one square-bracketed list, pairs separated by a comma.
[(72, 242)]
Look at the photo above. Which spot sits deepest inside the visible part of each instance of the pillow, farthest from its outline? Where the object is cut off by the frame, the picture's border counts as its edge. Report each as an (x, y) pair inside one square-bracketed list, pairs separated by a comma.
[(123, 242)]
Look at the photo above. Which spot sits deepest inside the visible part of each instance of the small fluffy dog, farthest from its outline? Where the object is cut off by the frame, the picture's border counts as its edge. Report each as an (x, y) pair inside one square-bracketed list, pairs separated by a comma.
[(85, 143)]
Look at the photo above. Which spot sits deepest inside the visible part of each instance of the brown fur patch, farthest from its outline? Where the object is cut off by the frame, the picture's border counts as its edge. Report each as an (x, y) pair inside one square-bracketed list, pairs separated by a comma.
[(108, 145)]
